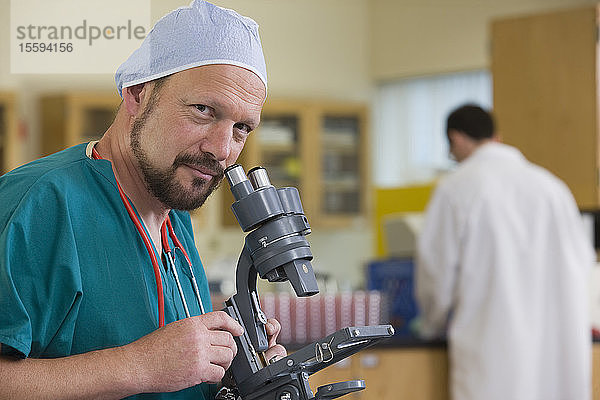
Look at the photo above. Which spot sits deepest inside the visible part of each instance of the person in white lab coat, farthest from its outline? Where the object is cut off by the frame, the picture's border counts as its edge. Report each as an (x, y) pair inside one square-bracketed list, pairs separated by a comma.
[(502, 264)]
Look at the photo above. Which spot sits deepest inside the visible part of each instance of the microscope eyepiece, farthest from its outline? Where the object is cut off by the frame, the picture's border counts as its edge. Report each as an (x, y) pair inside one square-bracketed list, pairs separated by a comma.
[(235, 174), (259, 178)]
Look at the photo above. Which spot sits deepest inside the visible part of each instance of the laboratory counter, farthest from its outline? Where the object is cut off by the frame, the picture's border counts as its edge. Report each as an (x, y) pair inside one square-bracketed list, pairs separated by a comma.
[(415, 342), (408, 368)]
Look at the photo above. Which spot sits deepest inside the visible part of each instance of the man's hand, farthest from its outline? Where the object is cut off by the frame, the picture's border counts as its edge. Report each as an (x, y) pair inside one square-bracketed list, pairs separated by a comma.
[(186, 352), (273, 328), (174, 357)]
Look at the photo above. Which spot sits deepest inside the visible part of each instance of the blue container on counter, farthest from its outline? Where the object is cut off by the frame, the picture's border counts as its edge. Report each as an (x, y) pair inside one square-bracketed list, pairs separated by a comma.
[(394, 278)]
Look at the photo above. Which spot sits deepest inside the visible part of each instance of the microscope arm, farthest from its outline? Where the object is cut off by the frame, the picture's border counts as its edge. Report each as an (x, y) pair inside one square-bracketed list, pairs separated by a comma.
[(247, 302)]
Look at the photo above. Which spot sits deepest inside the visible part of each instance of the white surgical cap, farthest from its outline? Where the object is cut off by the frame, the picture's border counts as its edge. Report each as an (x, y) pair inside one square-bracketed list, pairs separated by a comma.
[(189, 37)]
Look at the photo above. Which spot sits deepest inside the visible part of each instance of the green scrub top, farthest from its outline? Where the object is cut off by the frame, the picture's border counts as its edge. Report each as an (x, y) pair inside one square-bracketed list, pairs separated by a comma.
[(75, 275)]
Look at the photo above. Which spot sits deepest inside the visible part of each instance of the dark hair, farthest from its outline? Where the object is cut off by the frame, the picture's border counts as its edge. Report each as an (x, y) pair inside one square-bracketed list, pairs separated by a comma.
[(472, 120)]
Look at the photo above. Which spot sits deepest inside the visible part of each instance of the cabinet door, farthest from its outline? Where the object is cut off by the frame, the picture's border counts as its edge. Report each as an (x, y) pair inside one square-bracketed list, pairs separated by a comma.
[(596, 371), (72, 118), (8, 133), (341, 371), (341, 165), (277, 149), (275, 146), (95, 120), (337, 163), (411, 373), (545, 94), (90, 116), (319, 148)]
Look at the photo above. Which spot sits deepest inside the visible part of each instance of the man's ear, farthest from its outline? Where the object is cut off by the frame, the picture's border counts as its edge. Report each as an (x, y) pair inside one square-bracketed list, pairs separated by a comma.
[(133, 98)]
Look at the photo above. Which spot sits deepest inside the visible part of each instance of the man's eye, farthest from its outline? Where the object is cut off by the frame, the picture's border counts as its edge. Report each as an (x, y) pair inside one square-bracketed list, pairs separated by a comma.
[(201, 107), (243, 127)]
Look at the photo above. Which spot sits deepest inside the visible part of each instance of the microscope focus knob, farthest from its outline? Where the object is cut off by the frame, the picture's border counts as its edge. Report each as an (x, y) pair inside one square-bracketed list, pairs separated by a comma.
[(288, 392)]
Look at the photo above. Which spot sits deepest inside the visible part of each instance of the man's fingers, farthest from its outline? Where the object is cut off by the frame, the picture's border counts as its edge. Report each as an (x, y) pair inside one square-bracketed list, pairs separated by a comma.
[(224, 339), (275, 351), (215, 373), (220, 320), (273, 327), (221, 356)]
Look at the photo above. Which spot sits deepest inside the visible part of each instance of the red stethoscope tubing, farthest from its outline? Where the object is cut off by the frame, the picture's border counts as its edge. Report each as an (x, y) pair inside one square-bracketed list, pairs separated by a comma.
[(142, 232), (173, 238)]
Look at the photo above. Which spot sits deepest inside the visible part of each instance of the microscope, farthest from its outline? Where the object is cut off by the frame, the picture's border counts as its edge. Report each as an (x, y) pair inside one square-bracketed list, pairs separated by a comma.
[(276, 249)]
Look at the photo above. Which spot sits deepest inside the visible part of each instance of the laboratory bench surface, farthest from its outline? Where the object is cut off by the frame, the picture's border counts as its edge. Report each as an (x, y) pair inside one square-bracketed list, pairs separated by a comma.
[(408, 368), (406, 342), (412, 341)]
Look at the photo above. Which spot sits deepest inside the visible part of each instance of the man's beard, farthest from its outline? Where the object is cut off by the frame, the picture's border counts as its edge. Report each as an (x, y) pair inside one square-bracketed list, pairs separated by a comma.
[(163, 184)]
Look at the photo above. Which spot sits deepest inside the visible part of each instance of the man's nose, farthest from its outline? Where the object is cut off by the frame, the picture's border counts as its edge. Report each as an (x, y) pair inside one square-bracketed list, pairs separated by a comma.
[(218, 141)]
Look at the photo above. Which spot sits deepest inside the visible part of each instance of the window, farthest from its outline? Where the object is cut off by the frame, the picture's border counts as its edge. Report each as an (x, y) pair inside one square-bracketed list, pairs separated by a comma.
[(410, 144)]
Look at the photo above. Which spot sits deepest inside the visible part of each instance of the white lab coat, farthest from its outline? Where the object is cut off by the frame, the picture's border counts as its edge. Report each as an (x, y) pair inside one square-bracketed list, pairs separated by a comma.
[(504, 254)]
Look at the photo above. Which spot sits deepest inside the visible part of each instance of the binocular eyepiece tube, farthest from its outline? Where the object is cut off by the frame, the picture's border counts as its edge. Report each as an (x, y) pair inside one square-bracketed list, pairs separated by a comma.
[(257, 177), (256, 199), (235, 174)]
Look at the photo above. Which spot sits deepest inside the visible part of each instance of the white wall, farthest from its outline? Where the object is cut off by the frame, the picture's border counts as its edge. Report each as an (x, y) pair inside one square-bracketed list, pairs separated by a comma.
[(313, 48), (422, 37)]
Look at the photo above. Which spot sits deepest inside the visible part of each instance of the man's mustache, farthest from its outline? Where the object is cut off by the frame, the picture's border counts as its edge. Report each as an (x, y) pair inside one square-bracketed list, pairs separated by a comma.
[(201, 160)]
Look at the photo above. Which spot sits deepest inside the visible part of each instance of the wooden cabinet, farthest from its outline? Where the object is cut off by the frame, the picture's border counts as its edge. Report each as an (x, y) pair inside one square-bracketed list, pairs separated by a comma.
[(341, 371), (415, 373), (596, 371), (320, 148), (9, 157), (392, 374), (411, 373), (545, 73), (76, 117)]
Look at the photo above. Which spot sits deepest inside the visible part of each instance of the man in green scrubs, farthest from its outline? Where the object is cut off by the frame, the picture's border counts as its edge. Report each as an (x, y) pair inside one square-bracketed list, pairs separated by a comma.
[(85, 312)]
